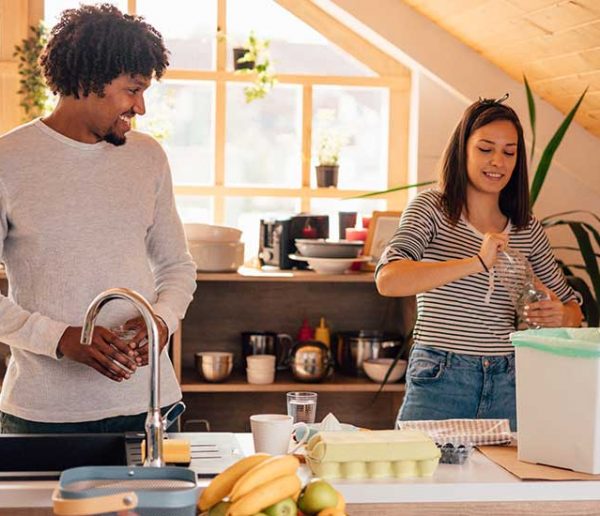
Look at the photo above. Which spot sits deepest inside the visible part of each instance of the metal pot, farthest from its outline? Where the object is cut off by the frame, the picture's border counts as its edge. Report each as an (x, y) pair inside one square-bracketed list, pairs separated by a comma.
[(310, 361), (353, 348)]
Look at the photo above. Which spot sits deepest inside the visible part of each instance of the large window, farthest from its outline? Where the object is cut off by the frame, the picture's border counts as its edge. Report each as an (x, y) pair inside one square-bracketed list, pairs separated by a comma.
[(235, 162)]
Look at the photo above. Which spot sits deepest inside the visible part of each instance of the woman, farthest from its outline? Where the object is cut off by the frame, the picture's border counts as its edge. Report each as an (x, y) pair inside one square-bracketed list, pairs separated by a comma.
[(444, 251)]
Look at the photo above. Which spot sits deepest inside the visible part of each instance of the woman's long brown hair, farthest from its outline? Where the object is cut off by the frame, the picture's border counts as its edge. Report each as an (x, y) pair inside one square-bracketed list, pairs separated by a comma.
[(514, 198)]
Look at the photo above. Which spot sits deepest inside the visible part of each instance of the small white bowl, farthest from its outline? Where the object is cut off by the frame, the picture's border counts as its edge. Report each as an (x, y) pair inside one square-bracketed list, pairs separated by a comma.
[(329, 265), (260, 377), (376, 369), (212, 233)]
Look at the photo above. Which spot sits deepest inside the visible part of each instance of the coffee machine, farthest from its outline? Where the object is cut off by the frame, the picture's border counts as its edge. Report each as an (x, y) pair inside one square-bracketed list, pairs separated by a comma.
[(277, 238)]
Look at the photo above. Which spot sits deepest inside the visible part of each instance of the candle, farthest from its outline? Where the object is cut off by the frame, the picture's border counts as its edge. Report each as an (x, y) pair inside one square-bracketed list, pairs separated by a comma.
[(356, 234)]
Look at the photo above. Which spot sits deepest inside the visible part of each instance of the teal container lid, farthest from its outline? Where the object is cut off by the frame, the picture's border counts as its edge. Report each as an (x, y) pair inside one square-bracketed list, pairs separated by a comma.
[(568, 342)]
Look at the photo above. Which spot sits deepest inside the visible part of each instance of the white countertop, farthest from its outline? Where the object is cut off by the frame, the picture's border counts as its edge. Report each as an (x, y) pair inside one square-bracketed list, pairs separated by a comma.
[(478, 480)]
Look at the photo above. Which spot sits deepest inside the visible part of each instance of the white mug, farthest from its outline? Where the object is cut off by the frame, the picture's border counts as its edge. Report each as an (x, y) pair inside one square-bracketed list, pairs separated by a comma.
[(272, 433)]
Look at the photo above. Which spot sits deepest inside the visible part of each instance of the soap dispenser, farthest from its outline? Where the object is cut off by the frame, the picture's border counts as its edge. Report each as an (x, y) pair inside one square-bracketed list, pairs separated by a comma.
[(322, 333)]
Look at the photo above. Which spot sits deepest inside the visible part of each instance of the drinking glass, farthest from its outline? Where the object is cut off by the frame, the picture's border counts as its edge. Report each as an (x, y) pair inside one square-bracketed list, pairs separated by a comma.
[(302, 406)]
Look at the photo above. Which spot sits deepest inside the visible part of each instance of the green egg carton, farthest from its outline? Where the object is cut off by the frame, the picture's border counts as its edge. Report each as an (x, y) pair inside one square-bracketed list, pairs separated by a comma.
[(372, 454)]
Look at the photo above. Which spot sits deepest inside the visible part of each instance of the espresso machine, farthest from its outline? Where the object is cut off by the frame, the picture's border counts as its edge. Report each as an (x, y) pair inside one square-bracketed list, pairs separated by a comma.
[(277, 238)]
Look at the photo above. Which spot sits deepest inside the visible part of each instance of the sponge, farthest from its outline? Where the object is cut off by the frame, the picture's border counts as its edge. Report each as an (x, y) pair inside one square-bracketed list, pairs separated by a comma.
[(175, 451)]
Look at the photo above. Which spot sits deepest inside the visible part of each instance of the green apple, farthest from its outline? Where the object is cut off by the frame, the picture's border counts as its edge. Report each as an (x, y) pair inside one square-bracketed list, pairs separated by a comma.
[(220, 509), (316, 496), (286, 507)]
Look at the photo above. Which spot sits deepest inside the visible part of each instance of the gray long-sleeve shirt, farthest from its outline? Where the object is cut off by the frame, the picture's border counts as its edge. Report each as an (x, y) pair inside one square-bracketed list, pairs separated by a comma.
[(77, 219)]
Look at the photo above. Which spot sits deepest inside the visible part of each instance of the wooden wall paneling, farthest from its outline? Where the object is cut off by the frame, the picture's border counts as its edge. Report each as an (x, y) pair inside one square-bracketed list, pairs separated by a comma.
[(222, 310)]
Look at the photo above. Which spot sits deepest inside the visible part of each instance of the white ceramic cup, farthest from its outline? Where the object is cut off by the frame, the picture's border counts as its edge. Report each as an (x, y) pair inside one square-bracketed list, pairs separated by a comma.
[(261, 362), (272, 433), (260, 377)]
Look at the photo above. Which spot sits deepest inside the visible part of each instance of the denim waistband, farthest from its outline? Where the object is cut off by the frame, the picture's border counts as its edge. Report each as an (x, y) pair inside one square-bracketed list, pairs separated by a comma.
[(491, 363)]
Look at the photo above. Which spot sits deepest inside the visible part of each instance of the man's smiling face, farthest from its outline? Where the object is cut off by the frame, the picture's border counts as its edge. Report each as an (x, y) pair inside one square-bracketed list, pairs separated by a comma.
[(109, 116)]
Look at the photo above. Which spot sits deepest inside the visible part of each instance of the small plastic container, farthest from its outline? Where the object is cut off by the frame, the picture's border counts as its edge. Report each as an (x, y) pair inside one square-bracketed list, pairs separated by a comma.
[(454, 452)]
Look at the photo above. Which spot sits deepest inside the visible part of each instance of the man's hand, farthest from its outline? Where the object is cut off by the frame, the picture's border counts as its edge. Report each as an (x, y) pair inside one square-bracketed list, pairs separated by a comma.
[(104, 353), (140, 340)]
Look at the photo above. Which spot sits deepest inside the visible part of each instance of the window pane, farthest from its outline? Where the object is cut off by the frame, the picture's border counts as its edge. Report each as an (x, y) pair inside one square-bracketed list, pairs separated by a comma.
[(295, 47), (180, 115), (194, 208), (361, 115), (263, 138), (245, 213), (332, 207), (53, 8), (189, 30)]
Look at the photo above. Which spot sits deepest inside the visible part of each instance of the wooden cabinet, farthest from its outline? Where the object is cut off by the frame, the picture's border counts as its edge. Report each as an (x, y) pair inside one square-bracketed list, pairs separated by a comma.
[(227, 304)]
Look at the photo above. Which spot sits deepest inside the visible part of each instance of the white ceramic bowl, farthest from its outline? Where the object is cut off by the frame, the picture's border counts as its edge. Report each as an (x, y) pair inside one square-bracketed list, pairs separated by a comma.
[(329, 265), (376, 369), (217, 256), (260, 377), (321, 248), (212, 233)]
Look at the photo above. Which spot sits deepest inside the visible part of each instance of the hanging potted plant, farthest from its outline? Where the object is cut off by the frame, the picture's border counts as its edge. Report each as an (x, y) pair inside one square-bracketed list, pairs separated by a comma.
[(330, 141), (254, 57)]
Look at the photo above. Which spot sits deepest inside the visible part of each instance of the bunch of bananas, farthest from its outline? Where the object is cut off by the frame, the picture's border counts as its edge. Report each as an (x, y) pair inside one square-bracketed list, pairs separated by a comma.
[(252, 484), (264, 485)]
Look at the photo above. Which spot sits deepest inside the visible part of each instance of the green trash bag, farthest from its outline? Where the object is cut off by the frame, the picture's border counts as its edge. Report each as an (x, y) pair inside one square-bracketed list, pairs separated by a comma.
[(568, 342)]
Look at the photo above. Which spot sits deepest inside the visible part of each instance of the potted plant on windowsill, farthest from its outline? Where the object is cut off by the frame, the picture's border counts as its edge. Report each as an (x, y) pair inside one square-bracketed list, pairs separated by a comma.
[(254, 57), (330, 141)]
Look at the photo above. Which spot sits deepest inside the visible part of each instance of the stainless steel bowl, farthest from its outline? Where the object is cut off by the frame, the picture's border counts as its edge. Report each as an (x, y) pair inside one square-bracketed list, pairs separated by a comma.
[(214, 366)]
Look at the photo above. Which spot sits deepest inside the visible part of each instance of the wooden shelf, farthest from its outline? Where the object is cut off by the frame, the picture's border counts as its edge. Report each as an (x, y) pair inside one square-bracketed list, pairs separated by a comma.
[(283, 276), (191, 382)]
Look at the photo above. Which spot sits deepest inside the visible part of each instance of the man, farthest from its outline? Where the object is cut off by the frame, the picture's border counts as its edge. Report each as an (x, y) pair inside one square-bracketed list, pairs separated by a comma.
[(86, 204)]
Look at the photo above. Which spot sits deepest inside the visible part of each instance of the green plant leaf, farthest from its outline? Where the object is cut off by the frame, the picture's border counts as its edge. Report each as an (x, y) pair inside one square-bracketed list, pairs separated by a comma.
[(589, 306), (571, 212), (548, 154), (531, 107), (390, 190), (587, 252)]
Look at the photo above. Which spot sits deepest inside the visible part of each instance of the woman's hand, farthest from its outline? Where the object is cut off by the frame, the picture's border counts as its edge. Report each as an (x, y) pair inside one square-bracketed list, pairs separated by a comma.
[(548, 313), (492, 243)]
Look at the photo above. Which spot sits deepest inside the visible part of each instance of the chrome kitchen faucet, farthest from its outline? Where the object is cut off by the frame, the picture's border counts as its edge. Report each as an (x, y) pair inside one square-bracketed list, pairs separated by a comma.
[(154, 422)]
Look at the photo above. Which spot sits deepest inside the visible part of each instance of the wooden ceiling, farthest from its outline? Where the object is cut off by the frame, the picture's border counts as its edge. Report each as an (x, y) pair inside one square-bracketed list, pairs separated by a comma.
[(555, 43)]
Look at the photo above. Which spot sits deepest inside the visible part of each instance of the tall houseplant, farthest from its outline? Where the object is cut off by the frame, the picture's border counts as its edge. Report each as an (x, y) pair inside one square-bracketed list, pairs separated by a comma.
[(584, 231)]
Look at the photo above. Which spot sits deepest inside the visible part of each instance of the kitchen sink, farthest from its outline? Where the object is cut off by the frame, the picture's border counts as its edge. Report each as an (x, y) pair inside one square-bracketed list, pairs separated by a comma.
[(44, 456)]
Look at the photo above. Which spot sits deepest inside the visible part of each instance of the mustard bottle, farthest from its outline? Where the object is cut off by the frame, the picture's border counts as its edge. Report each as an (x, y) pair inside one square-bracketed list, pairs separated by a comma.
[(322, 333)]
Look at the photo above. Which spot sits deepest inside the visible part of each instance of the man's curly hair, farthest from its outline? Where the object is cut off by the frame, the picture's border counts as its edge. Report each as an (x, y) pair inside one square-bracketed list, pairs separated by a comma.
[(91, 46)]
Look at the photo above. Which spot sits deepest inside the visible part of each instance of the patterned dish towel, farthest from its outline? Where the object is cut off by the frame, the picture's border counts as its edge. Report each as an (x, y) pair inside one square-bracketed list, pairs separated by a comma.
[(475, 431)]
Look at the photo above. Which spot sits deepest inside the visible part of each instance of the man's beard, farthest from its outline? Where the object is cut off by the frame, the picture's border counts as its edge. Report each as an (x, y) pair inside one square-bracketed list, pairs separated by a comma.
[(113, 138)]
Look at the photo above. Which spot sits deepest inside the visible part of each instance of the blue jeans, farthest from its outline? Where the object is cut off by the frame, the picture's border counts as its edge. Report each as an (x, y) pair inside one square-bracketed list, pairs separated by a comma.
[(445, 385), (10, 424)]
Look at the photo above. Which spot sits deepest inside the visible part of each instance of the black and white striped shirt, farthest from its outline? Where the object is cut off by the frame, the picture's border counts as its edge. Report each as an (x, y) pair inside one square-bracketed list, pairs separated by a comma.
[(457, 316)]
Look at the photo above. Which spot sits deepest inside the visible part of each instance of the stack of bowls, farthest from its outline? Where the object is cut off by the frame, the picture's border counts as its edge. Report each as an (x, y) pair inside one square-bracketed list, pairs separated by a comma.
[(261, 369), (215, 248), (214, 366)]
